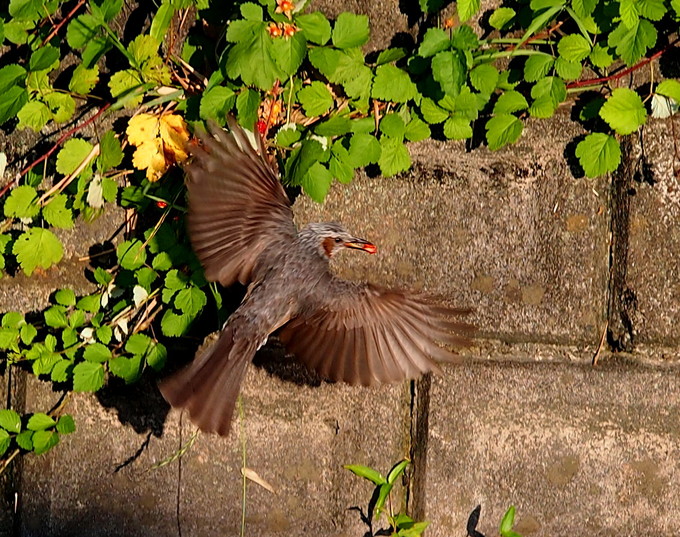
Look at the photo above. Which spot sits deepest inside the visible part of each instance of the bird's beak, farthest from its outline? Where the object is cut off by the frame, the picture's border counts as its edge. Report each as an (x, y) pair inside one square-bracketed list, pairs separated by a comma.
[(361, 244)]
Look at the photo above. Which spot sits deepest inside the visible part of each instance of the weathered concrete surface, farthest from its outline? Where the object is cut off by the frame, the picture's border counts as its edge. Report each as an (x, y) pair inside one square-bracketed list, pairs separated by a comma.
[(654, 249), (578, 450), (297, 438), (511, 233)]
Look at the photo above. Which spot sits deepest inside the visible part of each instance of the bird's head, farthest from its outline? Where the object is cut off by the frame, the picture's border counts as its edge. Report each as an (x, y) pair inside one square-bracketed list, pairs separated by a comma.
[(329, 237)]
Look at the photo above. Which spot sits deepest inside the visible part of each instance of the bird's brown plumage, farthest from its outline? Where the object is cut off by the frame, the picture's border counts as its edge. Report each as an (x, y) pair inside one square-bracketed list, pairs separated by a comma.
[(241, 227)]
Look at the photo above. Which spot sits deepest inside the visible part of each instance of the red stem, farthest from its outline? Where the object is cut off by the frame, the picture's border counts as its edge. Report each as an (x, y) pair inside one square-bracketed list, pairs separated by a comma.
[(620, 74), (63, 137), (63, 21)]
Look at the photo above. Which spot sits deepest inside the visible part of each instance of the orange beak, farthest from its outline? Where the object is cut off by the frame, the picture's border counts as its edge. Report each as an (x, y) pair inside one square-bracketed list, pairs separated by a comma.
[(361, 244)]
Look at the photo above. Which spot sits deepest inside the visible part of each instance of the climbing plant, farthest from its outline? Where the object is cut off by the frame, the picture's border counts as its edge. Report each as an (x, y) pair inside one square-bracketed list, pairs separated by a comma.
[(305, 82)]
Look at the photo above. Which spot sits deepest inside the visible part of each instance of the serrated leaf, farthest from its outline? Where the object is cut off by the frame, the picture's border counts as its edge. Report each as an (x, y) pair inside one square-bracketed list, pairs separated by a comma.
[(11, 101), (573, 48), (501, 17), (652, 9), (127, 368), (251, 58), (65, 297), (315, 26), (22, 202), (629, 13), (598, 153), (393, 84), (287, 135), (33, 115), (467, 9), (5, 440), (88, 377), (82, 30), (24, 440), (10, 420), (289, 53), (37, 248), (96, 352), (315, 99), (364, 149), (431, 112), (633, 43), (584, 8), (131, 254), (28, 333), (457, 128), (509, 102), (216, 103), (394, 156), (624, 111), (89, 303), (61, 105), (72, 155), (484, 78), (247, 103), (66, 425), (43, 58), (190, 301), (62, 371), (43, 441), (110, 152), (449, 71), (435, 40), (40, 421), (57, 214), (350, 30), (173, 325), (537, 66), (501, 130), (568, 70), (316, 182), (600, 56), (417, 130), (669, 88), (390, 55), (340, 163), (393, 125), (104, 334)]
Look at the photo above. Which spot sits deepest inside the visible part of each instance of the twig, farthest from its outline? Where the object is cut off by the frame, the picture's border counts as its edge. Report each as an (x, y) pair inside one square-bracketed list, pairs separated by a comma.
[(596, 356), (61, 185), (63, 21)]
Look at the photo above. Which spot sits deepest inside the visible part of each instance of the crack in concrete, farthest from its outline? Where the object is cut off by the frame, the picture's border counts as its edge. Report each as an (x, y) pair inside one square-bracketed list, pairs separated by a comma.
[(420, 423)]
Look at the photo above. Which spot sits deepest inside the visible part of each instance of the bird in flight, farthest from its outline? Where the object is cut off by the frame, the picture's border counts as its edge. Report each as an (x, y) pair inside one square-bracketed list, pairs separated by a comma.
[(241, 227)]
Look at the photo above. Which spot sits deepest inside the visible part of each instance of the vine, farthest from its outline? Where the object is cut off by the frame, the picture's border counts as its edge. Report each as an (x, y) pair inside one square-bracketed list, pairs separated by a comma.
[(304, 83)]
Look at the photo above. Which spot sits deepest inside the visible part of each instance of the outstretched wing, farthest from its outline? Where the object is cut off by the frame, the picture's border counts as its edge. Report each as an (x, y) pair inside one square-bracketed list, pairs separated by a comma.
[(365, 334), (237, 205)]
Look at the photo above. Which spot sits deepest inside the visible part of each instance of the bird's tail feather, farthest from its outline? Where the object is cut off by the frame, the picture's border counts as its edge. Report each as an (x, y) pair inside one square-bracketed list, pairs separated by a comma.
[(209, 386)]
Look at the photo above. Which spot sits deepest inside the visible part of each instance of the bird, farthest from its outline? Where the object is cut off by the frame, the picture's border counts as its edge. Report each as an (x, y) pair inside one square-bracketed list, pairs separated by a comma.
[(240, 224)]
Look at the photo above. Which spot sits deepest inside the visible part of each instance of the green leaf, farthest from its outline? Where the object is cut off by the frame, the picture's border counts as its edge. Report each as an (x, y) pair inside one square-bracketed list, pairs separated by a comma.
[(40, 421), (393, 125), (315, 27), (82, 30), (394, 156), (457, 128), (372, 475), (383, 493), (397, 470), (501, 17), (417, 130), (88, 377), (43, 58), (334, 126), (37, 247), (173, 325), (5, 441), (9, 338), (190, 301), (110, 152), (22, 202), (90, 303), (65, 297), (435, 40), (95, 49), (507, 521), (390, 55), (28, 333), (10, 420), (11, 101), (350, 30), (216, 103), (509, 102), (317, 181), (104, 334), (598, 153), (247, 103), (600, 56), (12, 319), (537, 66), (289, 53), (287, 135), (72, 155), (432, 113), (61, 105), (548, 93), (624, 111), (129, 369), (669, 88), (161, 20), (633, 43), (175, 279), (393, 84), (449, 71), (464, 38), (251, 58), (57, 214), (62, 371), (629, 12), (43, 441), (66, 425), (315, 99), (340, 163), (584, 8), (364, 149), (574, 48), (123, 85), (568, 70), (484, 78), (131, 254), (33, 115), (652, 9), (502, 130), (106, 10), (24, 440), (467, 9), (97, 352), (10, 76)]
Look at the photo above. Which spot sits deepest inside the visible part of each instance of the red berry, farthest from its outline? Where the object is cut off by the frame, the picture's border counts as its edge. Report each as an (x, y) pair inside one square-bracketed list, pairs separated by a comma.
[(161, 204), (261, 127)]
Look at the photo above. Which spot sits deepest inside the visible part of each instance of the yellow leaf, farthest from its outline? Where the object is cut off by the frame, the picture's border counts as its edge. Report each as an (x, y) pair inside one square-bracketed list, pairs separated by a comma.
[(149, 156), (142, 128), (175, 136)]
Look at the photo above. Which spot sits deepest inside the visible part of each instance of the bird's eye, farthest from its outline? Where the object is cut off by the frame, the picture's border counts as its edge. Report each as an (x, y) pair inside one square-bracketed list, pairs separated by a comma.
[(338, 240)]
